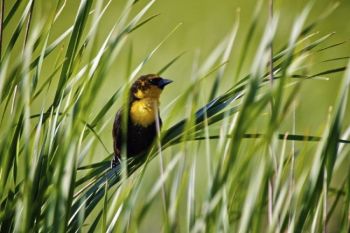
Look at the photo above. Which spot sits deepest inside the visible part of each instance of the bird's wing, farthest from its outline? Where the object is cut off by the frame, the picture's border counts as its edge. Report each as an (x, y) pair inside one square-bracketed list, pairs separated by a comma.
[(117, 134)]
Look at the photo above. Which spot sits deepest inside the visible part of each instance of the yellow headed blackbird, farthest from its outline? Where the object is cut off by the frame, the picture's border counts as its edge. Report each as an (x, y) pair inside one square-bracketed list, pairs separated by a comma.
[(142, 112)]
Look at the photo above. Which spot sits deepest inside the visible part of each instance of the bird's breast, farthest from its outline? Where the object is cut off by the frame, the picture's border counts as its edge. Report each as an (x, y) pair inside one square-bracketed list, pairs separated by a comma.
[(143, 112)]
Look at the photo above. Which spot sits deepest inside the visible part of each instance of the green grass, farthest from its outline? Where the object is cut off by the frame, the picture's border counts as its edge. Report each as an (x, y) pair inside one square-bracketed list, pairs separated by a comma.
[(227, 164)]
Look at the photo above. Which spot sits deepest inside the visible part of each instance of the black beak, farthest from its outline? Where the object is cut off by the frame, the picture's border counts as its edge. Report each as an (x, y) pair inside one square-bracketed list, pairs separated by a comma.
[(163, 82)]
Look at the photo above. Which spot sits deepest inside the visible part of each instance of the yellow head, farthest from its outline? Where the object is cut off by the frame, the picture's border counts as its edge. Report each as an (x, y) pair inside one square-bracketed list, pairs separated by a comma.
[(148, 86), (145, 94)]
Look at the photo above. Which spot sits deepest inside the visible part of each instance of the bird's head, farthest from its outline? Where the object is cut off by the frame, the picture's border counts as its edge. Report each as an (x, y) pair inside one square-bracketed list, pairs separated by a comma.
[(149, 86)]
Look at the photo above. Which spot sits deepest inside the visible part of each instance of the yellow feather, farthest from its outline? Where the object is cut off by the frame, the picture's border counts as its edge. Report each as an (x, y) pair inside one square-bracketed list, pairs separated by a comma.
[(143, 112), (151, 92)]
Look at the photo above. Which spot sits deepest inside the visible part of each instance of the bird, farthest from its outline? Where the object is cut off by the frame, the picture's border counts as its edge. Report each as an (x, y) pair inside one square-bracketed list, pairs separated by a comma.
[(142, 117)]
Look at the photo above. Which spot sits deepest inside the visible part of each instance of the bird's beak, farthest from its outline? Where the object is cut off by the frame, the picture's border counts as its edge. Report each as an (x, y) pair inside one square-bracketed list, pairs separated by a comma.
[(164, 82)]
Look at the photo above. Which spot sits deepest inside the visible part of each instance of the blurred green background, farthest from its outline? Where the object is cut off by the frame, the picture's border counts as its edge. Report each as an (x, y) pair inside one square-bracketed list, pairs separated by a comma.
[(204, 23)]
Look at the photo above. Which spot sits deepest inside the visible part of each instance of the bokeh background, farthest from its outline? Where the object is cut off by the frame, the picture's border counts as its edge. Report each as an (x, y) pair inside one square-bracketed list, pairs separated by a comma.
[(204, 23)]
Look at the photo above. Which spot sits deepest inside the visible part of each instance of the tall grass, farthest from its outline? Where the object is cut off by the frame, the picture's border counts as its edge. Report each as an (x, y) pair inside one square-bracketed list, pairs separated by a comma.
[(217, 174)]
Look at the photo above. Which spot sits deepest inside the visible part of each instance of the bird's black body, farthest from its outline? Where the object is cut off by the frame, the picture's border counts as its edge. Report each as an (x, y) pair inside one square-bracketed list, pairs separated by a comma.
[(141, 122), (138, 138)]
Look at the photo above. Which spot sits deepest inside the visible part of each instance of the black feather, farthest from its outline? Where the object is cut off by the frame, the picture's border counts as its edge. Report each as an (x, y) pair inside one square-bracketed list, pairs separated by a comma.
[(138, 138)]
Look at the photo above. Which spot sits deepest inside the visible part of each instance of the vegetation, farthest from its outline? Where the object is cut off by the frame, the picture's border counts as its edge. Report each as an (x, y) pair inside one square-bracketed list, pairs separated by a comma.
[(229, 163)]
